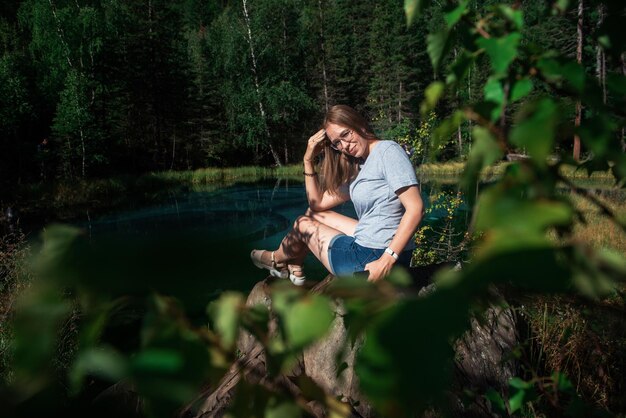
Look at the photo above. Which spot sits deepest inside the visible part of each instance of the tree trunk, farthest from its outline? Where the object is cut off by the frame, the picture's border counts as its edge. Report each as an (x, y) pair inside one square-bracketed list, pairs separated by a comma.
[(600, 57), (400, 102), (20, 168), (459, 141), (61, 34), (324, 77), (469, 100), (623, 57), (459, 138), (256, 84), (82, 145), (579, 59), (173, 150)]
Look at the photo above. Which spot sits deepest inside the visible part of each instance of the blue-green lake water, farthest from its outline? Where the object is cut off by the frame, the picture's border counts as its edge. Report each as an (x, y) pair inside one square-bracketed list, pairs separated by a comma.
[(246, 216)]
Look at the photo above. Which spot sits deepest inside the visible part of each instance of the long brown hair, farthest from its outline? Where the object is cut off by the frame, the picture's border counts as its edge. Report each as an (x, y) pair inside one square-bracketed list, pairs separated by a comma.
[(337, 168)]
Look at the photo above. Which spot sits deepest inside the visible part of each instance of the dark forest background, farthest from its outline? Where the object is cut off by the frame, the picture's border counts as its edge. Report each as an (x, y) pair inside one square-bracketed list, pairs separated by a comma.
[(129, 86)]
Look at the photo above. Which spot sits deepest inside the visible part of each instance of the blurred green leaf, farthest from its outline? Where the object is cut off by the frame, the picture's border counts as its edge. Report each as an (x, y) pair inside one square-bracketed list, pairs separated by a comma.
[(256, 320), (598, 134), (513, 15), (453, 16), (438, 44), (413, 8), (612, 260), (494, 265), (93, 325), (519, 215), (460, 68), (517, 400), (593, 286), (249, 401), (561, 6), (390, 365), (485, 152), (39, 313), (433, 93), (521, 88), (101, 362), (58, 259), (310, 389), (502, 51), (157, 360), (519, 383), (563, 384), (442, 133), (399, 277), (339, 409), (496, 400), (535, 128), (495, 93), (284, 409), (305, 319), (563, 72), (350, 286), (226, 313), (170, 371)]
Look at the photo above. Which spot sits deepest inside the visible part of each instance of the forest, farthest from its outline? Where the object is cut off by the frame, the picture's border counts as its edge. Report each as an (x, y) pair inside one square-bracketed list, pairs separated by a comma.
[(122, 87)]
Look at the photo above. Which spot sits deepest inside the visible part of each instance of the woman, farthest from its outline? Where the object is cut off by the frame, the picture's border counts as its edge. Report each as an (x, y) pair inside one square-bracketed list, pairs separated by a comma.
[(379, 179)]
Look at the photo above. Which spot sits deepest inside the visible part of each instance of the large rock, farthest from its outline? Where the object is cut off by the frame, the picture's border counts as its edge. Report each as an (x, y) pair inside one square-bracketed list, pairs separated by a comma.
[(482, 359), (321, 362)]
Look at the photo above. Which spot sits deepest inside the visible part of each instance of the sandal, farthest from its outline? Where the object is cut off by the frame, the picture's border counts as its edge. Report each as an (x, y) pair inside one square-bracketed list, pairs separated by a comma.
[(281, 270), (275, 269), (296, 274)]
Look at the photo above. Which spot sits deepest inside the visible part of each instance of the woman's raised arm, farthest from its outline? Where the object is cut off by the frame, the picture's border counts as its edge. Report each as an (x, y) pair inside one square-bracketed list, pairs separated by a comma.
[(318, 201)]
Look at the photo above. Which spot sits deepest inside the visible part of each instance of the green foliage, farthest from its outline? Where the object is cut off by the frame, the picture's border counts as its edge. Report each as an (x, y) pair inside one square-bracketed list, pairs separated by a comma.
[(501, 51), (14, 105), (402, 372), (514, 215), (304, 320), (444, 239)]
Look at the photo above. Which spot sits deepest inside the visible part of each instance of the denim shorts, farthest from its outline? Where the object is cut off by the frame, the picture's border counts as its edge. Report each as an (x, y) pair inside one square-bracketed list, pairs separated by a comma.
[(346, 257)]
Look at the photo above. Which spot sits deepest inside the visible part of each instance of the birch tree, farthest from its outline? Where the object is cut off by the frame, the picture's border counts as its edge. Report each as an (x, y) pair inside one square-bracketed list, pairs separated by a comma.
[(579, 59)]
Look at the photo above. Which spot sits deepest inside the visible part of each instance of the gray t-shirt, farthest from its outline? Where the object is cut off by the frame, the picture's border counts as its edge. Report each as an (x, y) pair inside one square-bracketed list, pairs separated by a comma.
[(373, 193)]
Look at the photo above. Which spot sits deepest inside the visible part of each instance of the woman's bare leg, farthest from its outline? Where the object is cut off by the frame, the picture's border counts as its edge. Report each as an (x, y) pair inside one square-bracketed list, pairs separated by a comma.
[(313, 231)]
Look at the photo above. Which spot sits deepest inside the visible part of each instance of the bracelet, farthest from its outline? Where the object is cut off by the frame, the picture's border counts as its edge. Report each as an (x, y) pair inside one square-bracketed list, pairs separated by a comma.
[(391, 253), (309, 174)]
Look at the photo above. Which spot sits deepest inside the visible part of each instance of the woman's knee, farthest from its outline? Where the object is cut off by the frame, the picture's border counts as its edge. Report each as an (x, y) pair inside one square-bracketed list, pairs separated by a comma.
[(302, 222), (309, 212)]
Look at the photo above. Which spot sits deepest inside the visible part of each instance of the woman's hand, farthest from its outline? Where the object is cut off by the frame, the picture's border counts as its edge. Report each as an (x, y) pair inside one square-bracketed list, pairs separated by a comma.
[(315, 145), (380, 268)]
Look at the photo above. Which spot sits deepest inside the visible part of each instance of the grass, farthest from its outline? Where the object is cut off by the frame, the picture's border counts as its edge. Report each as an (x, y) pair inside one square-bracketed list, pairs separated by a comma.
[(585, 341), (597, 229), (584, 338), (454, 169), (216, 175), (110, 191), (64, 198), (15, 276)]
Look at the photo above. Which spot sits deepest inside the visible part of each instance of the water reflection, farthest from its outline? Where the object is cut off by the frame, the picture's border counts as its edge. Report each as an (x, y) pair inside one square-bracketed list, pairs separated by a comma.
[(245, 212), (253, 215)]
